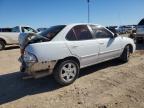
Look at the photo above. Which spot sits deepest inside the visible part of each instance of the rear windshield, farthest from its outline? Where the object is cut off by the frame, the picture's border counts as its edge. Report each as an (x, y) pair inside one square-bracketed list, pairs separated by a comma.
[(141, 22), (51, 32)]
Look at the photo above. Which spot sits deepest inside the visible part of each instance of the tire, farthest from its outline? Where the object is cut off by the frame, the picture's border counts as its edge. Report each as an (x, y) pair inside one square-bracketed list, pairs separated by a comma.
[(126, 54), (66, 72), (2, 45)]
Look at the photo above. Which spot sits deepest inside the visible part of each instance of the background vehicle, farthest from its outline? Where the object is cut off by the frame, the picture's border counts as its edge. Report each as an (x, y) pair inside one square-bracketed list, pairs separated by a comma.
[(9, 36), (140, 31), (64, 49), (121, 29), (41, 29), (6, 29), (112, 29), (126, 29)]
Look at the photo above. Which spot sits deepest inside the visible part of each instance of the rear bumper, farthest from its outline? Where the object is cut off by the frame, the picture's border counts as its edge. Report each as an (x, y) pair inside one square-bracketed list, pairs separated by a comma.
[(37, 68)]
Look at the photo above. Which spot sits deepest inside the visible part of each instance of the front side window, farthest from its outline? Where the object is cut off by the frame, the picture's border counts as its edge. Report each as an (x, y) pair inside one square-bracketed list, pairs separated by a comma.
[(100, 32), (82, 32)]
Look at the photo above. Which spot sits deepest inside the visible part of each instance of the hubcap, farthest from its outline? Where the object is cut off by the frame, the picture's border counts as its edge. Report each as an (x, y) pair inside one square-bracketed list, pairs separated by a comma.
[(68, 72)]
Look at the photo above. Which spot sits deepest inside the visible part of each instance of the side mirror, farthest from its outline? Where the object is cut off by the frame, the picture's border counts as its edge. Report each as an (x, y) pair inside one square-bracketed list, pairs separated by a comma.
[(115, 35)]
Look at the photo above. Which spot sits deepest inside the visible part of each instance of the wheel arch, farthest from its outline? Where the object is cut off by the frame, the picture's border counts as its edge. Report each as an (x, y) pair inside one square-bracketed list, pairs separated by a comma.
[(68, 58), (131, 47), (57, 70), (1, 39)]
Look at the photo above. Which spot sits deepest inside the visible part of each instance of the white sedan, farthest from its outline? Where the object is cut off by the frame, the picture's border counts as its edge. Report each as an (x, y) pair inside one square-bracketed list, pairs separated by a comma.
[(64, 49)]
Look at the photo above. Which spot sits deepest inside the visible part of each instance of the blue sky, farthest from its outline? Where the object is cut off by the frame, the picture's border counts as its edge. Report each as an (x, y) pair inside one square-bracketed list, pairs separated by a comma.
[(44, 13)]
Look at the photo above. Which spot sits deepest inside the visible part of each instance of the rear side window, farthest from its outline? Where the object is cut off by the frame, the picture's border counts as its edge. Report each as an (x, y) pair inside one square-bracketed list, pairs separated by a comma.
[(82, 32), (71, 36)]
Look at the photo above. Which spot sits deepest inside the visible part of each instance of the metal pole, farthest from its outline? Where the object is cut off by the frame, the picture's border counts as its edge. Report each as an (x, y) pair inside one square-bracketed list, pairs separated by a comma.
[(88, 10)]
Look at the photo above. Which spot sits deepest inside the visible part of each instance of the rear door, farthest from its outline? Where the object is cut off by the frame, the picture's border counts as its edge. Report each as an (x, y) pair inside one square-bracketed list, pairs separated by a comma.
[(82, 44)]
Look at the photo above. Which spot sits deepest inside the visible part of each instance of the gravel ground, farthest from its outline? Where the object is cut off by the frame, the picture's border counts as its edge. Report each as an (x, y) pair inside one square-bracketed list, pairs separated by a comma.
[(106, 85)]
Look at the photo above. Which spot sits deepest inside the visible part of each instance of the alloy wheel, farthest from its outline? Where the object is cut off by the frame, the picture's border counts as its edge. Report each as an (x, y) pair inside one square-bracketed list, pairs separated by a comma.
[(68, 72)]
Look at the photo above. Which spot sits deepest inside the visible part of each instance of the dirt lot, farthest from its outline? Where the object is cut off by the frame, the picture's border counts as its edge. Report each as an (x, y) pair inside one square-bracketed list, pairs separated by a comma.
[(106, 85)]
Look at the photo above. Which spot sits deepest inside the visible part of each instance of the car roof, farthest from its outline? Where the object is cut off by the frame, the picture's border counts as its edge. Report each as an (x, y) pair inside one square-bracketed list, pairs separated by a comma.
[(74, 24)]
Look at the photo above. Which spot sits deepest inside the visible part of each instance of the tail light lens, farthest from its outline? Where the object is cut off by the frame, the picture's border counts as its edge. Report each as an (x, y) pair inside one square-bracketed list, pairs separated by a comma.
[(29, 57)]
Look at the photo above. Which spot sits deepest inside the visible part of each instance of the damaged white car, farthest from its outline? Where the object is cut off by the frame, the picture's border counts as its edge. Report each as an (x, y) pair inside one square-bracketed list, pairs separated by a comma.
[(64, 49)]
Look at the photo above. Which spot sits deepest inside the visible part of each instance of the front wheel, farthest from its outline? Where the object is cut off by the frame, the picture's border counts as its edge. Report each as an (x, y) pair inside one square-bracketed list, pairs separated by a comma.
[(126, 54), (66, 72)]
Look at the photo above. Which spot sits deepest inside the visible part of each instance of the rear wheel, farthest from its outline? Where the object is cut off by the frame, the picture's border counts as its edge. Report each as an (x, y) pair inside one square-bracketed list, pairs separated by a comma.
[(66, 72), (126, 54), (2, 45)]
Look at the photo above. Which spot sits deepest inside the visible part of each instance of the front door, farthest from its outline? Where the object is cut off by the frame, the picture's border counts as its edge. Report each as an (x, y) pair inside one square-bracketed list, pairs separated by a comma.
[(110, 46)]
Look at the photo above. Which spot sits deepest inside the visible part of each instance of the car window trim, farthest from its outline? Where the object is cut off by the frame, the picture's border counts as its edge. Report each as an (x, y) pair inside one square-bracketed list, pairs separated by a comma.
[(92, 32)]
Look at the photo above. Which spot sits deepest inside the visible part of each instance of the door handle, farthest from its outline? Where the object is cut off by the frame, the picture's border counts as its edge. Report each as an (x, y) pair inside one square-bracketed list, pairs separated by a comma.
[(74, 46), (101, 43)]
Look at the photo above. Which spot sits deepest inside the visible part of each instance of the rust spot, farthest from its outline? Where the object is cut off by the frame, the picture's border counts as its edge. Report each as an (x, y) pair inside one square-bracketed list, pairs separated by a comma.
[(48, 66)]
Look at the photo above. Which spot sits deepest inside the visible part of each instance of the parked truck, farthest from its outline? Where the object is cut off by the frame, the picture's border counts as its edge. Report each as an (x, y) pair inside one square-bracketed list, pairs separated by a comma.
[(9, 36), (138, 34), (140, 31)]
